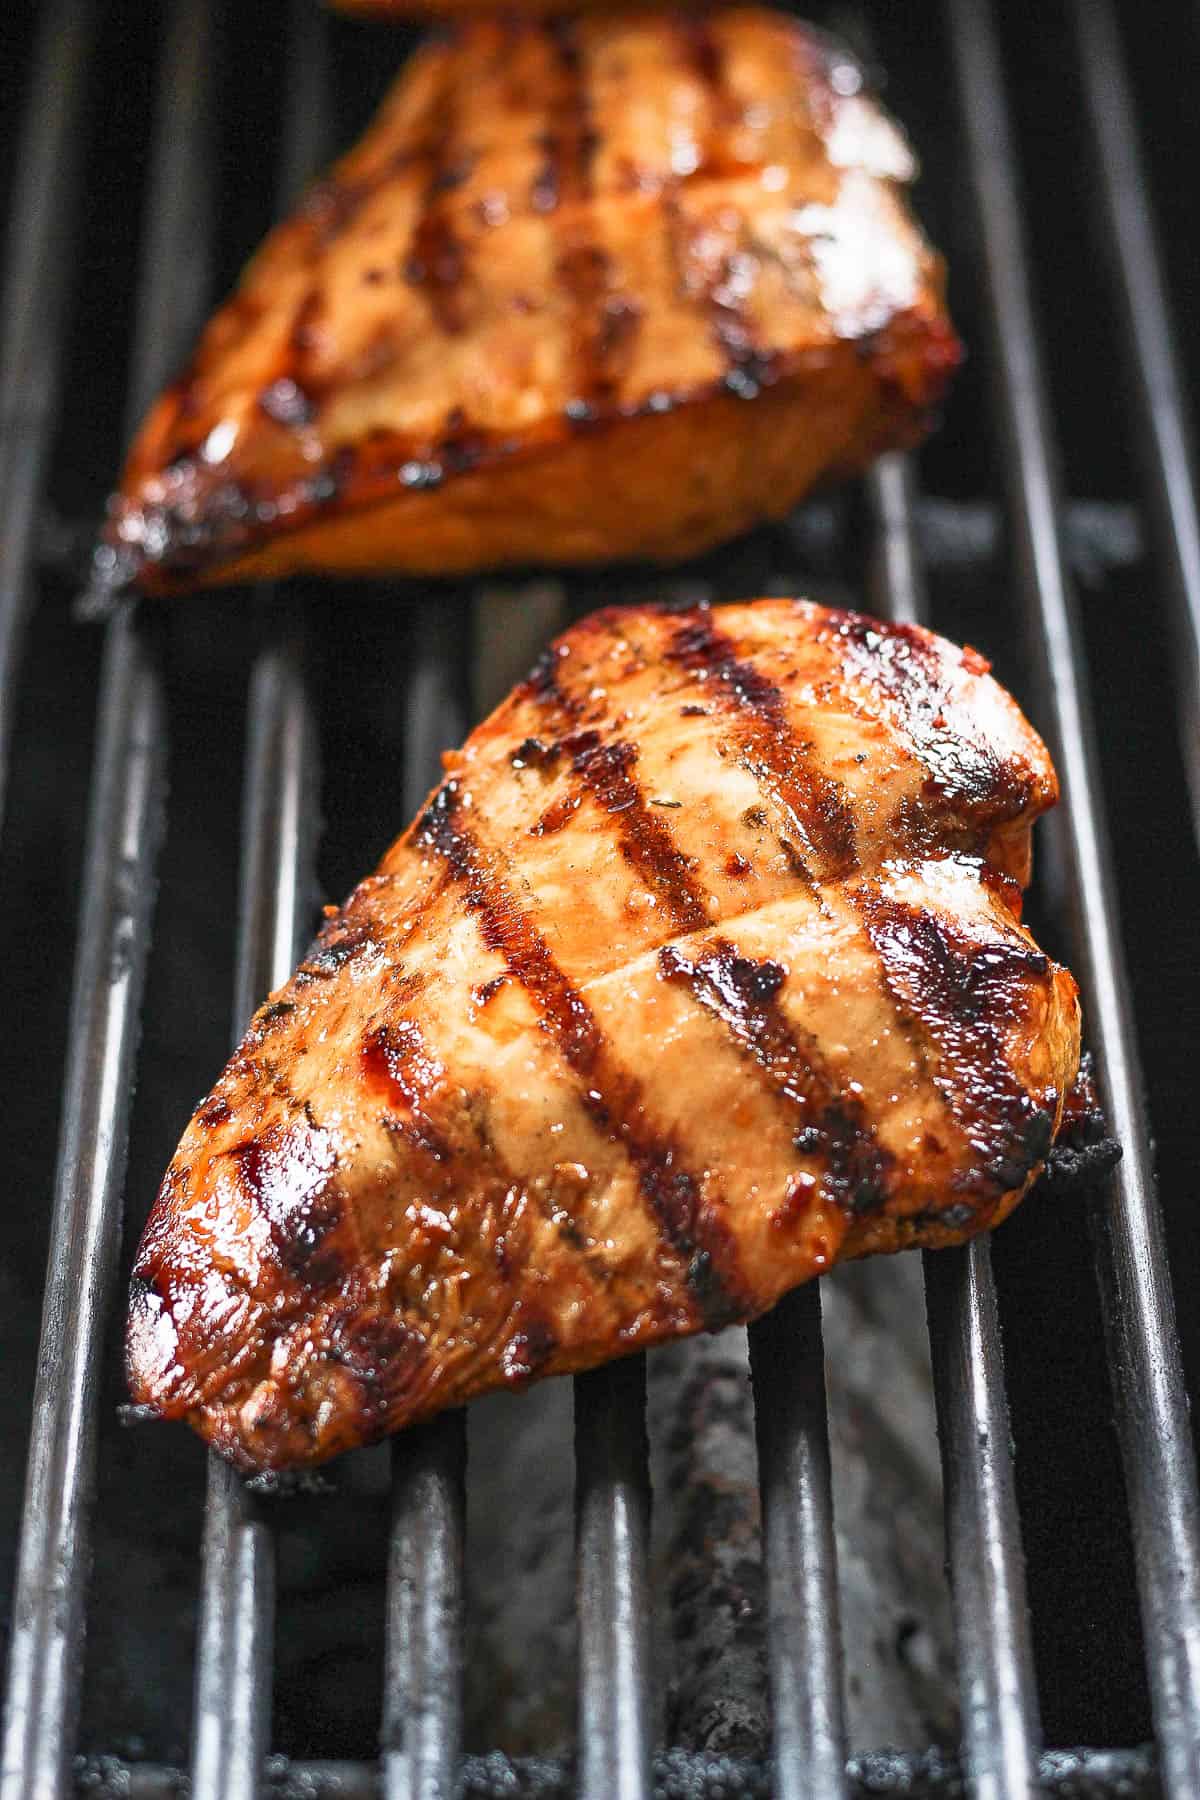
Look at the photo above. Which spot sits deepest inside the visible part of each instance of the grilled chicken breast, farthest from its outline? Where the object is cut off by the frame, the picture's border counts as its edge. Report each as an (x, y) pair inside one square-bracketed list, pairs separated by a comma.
[(701, 970), (615, 287)]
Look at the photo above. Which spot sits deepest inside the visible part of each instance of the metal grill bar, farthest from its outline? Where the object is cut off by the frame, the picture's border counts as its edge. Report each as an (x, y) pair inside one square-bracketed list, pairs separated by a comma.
[(804, 1644), (613, 1557), (998, 1691), (422, 1712), (1139, 1312), (32, 318), (124, 830), (422, 1716), (1166, 439), (233, 1663)]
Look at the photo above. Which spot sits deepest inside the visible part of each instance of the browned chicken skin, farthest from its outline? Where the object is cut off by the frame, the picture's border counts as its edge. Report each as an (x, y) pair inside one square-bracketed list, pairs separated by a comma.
[(612, 287), (701, 971)]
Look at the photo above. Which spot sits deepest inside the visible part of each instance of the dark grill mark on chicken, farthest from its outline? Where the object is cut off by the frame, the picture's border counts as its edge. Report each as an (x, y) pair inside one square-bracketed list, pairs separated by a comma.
[(611, 1095), (814, 806), (743, 994), (399, 1068), (962, 995), (438, 262), (965, 780), (646, 841)]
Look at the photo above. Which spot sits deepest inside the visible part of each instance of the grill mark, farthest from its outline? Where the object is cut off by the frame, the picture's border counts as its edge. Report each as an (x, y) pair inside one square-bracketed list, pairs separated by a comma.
[(437, 260), (603, 321), (645, 839), (816, 807), (399, 1066), (960, 992), (744, 995), (569, 139), (611, 1096), (288, 1175), (965, 779), (721, 295)]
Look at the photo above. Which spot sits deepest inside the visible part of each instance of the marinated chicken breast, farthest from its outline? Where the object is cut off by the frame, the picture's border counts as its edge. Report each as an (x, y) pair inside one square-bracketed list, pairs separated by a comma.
[(700, 971), (615, 287)]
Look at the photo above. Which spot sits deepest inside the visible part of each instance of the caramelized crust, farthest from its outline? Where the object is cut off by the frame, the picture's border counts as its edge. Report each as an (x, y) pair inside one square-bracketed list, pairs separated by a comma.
[(701, 970), (610, 287)]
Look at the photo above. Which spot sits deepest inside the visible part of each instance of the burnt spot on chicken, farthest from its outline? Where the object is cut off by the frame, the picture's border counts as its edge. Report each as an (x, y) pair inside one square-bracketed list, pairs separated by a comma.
[(964, 994), (609, 1093), (214, 1111), (833, 1125), (532, 753), (815, 806), (559, 813), (288, 1174), (337, 944), (399, 1069)]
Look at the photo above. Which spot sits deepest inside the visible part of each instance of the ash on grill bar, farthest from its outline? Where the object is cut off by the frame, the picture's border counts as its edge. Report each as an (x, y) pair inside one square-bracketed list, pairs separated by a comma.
[(928, 1527)]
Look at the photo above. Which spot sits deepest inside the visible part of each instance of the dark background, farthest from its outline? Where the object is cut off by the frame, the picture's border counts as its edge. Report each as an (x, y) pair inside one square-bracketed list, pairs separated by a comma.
[(1080, 1574)]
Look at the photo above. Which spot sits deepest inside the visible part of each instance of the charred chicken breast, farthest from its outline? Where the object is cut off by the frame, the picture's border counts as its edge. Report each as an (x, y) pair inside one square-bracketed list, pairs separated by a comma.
[(701, 970), (613, 287)]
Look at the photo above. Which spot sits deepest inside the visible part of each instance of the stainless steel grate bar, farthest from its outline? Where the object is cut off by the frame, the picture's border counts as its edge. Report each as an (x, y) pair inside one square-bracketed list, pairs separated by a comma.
[(1147, 1377), (997, 1688), (799, 1553), (124, 830), (279, 828), (32, 310), (612, 1582), (233, 1663), (422, 1710), (998, 1691), (422, 1714), (1146, 328)]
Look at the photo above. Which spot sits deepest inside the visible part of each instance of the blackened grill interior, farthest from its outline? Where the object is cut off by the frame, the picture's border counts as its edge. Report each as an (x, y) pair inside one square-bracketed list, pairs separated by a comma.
[(375, 658)]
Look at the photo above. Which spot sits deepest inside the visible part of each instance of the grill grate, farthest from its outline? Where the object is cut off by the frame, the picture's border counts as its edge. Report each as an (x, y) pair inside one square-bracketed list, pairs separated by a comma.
[(422, 1724)]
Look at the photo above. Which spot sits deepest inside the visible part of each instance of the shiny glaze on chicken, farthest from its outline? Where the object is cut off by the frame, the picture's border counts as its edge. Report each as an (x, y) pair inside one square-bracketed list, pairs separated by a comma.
[(701, 970), (599, 288)]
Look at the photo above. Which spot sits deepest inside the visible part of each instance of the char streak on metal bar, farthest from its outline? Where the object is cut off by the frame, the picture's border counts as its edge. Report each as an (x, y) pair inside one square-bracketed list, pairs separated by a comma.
[(124, 831), (799, 1555), (233, 1662), (983, 1531), (1147, 332), (31, 317), (1138, 1304)]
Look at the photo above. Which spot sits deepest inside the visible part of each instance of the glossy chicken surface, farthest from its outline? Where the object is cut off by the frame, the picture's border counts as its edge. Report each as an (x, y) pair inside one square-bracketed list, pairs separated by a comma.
[(592, 289), (701, 970)]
